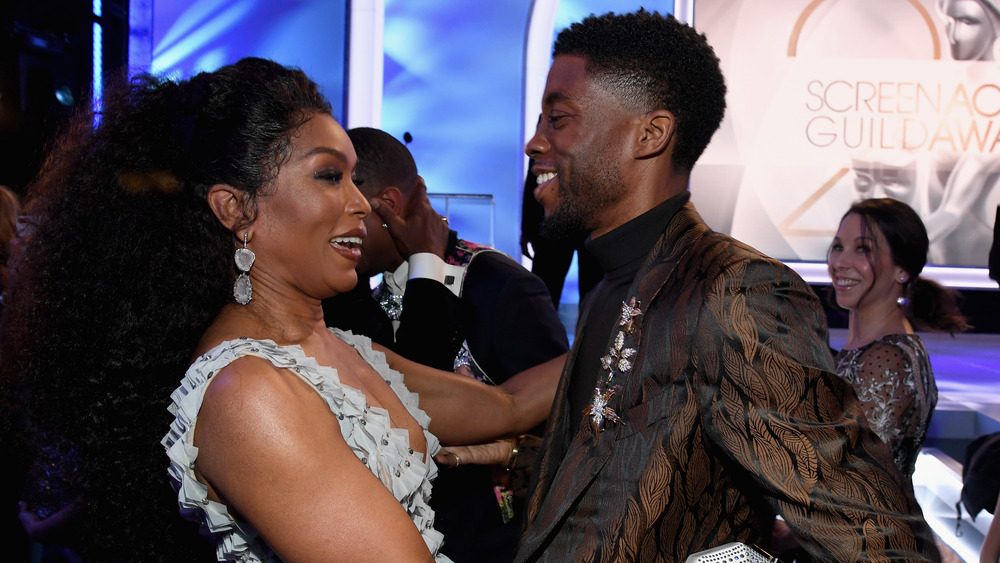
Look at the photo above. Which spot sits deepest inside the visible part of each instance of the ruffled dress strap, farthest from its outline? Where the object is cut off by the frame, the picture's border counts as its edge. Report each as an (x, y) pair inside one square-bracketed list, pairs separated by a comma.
[(366, 430)]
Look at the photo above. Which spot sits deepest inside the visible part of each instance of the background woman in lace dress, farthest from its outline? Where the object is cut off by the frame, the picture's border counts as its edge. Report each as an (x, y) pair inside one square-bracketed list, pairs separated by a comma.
[(305, 436), (874, 263)]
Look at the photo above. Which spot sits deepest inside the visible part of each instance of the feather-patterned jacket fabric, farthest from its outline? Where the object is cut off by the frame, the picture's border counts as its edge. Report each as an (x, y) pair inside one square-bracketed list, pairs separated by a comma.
[(729, 415)]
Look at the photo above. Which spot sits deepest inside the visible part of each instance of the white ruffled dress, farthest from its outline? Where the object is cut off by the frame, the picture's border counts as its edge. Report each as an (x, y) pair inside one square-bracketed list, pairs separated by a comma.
[(383, 449)]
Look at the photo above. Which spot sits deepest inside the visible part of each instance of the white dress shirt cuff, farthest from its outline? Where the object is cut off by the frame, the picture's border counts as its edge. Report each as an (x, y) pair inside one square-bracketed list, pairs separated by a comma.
[(427, 265)]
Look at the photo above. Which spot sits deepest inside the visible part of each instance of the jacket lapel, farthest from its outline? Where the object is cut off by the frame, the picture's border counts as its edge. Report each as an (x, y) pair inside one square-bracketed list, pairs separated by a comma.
[(563, 478)]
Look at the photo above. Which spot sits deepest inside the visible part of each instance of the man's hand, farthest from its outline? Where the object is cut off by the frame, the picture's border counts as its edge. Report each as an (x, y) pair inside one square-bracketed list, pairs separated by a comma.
[(422, 230)]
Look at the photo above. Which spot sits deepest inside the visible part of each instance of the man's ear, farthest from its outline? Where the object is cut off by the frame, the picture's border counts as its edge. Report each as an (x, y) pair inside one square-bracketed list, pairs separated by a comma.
[(226, 202), (656, 131), (392, 198)]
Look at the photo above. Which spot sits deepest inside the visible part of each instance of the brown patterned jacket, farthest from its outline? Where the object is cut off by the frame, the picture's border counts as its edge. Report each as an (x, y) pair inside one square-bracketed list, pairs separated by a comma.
[(730, 414)]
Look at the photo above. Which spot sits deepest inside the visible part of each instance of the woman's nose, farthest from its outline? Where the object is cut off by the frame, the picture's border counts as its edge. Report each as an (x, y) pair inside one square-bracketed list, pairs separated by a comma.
[(358, 203)]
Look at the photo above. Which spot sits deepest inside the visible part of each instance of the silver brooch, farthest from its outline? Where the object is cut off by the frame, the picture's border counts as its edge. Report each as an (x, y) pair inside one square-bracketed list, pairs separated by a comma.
[(618, 360)]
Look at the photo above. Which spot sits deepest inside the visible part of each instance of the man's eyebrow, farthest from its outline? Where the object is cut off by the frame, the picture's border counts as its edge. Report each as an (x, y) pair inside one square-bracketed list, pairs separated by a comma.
[(556, 96)]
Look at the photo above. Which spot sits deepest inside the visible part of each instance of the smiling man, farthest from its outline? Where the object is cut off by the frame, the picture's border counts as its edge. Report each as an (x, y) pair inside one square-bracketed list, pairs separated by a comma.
[(698, 401)]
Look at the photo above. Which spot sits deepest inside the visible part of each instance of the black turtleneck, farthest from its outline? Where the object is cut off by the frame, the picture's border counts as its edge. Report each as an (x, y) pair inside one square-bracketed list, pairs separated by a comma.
[(620, 253)]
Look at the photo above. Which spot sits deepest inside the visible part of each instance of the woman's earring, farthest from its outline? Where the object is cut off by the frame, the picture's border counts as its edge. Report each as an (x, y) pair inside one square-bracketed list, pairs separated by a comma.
[(902, 301), (242, 290)]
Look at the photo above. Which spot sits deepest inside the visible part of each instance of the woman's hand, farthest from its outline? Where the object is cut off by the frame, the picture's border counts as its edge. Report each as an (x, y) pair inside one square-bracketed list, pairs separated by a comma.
[(499, 452)]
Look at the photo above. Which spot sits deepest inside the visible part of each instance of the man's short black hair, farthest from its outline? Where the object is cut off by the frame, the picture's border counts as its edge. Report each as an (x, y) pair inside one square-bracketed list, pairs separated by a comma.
[(653, 61), (382, 161)]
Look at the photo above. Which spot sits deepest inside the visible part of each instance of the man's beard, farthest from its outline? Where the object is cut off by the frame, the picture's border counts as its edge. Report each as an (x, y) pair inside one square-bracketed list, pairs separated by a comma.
[(580, 201), (565, 223)]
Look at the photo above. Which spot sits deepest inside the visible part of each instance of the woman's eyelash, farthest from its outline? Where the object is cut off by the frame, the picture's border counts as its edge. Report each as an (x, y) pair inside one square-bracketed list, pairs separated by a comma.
[(334, 175)]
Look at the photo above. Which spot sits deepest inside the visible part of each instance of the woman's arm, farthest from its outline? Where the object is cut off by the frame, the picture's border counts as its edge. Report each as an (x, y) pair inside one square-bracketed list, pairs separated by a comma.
[(50, 528), (466, 411), (891, 406), (271, 449)]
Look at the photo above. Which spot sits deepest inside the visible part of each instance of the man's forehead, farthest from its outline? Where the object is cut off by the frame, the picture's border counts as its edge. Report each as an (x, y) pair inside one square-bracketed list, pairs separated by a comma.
[(567, 80), (568, 67)]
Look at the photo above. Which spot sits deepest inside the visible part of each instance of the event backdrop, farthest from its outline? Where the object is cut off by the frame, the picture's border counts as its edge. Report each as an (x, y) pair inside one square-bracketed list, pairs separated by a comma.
[(835, 100), (453, 78), (183, 37)]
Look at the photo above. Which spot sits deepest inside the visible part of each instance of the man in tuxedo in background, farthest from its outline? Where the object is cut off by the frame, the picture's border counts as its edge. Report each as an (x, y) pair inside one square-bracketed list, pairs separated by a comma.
[(450, 304)]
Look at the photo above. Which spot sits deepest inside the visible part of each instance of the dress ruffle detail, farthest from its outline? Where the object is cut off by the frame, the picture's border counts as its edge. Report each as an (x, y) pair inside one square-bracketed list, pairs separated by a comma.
[(383, 449)]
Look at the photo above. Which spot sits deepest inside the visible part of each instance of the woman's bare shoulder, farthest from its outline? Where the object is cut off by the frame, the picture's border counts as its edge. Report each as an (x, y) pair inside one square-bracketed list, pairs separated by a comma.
[(255, 409), (252, 386)]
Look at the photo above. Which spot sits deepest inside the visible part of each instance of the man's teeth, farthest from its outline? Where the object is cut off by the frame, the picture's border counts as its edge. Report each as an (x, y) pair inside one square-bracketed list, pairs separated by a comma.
[(545, 177), (347, 241)]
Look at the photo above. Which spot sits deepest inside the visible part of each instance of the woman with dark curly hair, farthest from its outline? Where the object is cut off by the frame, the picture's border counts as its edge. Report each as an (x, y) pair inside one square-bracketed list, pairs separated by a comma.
[(875, 262), (204, 221)]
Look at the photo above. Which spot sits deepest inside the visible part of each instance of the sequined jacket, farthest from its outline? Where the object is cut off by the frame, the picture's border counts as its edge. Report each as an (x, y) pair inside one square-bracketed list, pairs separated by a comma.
[(730, 414)]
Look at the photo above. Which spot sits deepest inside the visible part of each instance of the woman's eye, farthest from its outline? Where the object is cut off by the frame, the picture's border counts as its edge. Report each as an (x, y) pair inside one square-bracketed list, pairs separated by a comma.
[(329, 175)]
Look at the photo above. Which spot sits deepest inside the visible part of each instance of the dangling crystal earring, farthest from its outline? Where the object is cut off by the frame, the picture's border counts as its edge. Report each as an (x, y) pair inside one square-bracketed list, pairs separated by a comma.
[(242, 290), (902, 301)]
